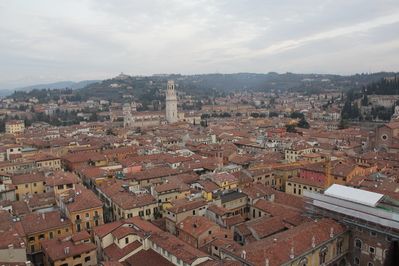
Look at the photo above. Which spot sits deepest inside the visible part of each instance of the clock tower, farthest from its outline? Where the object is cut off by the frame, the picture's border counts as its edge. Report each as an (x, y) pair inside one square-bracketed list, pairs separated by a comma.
[(171, 102)]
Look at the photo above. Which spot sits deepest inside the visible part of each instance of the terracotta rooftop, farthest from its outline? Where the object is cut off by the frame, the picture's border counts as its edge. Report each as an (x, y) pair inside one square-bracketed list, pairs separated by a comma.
[(148, 257), (177, 247), (187, 207), (33, 223), (55, 248)]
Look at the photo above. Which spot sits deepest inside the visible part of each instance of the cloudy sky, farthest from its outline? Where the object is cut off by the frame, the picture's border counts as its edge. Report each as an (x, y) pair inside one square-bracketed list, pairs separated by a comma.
[(46, 41)]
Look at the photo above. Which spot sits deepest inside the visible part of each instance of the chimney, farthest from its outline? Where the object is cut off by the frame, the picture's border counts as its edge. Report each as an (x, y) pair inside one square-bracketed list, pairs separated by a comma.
[(43, 216), (292, 253), (275, 241), (243, 254), (66, 250), (313, 242), (332, 232)]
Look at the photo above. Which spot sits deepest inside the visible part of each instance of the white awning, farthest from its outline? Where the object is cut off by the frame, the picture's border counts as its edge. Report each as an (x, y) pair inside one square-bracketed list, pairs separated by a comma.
[(353, 194)]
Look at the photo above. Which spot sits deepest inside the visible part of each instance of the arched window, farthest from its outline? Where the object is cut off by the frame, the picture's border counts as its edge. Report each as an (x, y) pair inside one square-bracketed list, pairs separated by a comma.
[(357, 261), (303, 262), (323, 255), (340, 243), (358, 243), (370, 264), (385, 253)]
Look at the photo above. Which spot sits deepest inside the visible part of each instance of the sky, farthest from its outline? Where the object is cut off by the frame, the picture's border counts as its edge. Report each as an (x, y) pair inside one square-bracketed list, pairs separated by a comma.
[(46, 41)]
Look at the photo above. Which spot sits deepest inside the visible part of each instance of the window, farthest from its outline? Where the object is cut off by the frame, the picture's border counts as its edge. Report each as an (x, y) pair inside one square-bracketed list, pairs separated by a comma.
[(339, 245), (141, 213), (31, 239), (41, 236), (372, 250), (34, 184), (370, 264), (87, 215), (87, 225), (322, 255), (51, 235), (60, 186), (303, 262), (76, 257), (78, 228), (87, 259), (372, 233), (66, 230), (26, 186), (193, 212), (359, 229), (96, 223), (32, 248), (358, 243), (78, 217), (357, 261), (58, 232), (210, 232), (126, 240), (148, 212)]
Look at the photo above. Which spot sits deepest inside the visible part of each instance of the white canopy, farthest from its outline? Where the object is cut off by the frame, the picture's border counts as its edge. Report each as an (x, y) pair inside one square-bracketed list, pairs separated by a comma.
[(353, 194)]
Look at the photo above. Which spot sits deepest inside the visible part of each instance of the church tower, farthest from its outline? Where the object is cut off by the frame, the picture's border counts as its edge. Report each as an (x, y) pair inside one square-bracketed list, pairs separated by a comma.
[(128, 120), (171, 102)]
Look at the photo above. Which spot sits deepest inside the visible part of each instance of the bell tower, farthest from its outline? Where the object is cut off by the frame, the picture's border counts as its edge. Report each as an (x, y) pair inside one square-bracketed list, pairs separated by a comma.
[(171, 102)]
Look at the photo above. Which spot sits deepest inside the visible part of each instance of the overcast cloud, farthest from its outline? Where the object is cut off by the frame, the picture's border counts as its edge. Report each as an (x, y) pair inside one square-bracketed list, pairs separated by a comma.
[(51, 40)]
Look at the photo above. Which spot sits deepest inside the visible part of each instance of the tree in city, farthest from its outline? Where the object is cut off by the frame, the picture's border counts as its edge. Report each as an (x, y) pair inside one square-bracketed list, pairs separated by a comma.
[(303, 123), (343, 124), (290, 128)]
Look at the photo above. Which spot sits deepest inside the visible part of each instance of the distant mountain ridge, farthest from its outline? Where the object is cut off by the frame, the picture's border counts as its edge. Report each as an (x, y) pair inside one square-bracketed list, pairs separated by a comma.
[(51, 86)]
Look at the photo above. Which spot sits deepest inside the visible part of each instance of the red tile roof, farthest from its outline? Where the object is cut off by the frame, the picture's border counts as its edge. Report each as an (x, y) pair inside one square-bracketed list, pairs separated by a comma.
[(81, 199), (148, 257), (177, 247), (115, 253), (55, 248), (33, 223)]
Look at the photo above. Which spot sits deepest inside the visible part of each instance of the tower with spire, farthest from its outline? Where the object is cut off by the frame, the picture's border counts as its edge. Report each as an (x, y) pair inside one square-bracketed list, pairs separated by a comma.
[(171, 102)]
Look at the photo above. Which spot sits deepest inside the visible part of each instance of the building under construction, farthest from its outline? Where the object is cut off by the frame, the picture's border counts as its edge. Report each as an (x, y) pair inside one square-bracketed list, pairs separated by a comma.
[(372, 219)]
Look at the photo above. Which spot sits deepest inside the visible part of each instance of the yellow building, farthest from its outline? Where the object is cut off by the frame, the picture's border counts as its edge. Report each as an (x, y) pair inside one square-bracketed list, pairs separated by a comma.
[(35, 228), (15, 126), (82, 207), (46, 161), (27, 184), (75, 249), (60, 182), (125, 205)]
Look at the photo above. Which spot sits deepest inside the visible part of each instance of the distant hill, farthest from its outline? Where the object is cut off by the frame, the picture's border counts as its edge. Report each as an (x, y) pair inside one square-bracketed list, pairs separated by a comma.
[(221, 85), (51, 86)]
